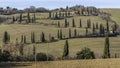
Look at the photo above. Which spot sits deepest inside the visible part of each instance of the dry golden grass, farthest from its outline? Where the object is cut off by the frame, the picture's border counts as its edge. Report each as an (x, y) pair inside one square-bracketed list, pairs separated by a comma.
[(97, 63), (56, 48), (75, 45)]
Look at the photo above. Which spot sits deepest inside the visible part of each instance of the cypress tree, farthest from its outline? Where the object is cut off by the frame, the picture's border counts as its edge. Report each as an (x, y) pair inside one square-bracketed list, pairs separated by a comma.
[(24, 40), (56, 15), (73, 22), (60, 34), (88, 23), (80, 23), (34, 18), (66, 23), (13, 19), (34, 50), (66, 49), (75, 33), (32, 37), (20, 17), (28, 17), (70, 33), (50, 15), (106, 48), (42, 37), (58, 24), (6, 37), (66, 14), (93, 28), (102, 29), (107, 24)]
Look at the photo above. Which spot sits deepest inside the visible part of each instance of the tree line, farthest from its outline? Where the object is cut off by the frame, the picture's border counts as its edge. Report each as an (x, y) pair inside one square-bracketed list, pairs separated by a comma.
[(85, 53)]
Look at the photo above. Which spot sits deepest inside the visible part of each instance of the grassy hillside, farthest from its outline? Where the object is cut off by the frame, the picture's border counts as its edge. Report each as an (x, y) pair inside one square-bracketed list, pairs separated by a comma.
[(114, 13), (56, 48)]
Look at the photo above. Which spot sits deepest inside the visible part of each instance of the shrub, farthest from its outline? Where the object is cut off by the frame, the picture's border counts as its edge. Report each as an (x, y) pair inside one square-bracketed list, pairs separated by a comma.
[(85, 53), (5, 56), (44, 57)]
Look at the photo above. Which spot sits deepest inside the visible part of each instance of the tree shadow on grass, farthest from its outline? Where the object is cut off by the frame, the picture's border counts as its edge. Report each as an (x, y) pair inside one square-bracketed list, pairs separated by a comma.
[(14, 64)]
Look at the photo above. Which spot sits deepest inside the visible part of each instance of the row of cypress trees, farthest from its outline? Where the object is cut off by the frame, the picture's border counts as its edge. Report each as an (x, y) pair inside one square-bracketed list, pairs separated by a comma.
[(59, 35), (6, 38), (67, 23), (58, 15), (30, 19)]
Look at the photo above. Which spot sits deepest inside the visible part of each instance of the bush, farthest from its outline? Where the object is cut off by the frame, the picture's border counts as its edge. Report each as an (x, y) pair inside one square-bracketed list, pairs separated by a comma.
[(5, 56), (43, 57), (86, 53)]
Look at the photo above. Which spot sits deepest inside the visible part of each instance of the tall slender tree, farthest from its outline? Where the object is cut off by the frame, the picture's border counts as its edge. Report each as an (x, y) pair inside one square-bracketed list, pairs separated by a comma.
[(106, 48), (102, 30), (50, 15), (43, 37), (73, 22), (59, 24), (80, 23), (20, 17), (88, 23), (34, 50), (107, 25), (34, 18), (58, 34), (93, 28), (24, 39), (6, 37), (61, 34), (28, 17), (66, 49), (70, 33), (32, 37), (75, 33), (66, 23), (13, 19)]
